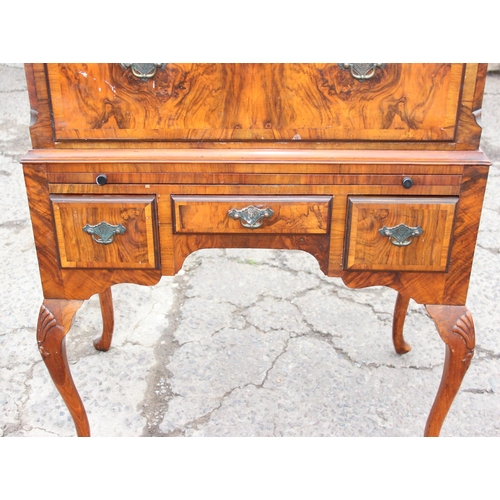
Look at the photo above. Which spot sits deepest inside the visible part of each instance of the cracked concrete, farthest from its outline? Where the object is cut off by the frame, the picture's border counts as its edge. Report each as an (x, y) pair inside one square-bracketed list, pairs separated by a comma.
[(240, 342)]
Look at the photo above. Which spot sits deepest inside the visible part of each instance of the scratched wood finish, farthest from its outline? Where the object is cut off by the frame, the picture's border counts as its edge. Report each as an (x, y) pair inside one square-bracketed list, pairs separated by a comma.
[(368, 249), (402, 102), (291, 215), (467, 136), (135, 248)]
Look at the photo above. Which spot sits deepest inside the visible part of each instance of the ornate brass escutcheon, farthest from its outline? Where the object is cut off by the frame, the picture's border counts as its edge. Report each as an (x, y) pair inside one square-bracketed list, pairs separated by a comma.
[(104, 233), (401, 235), (362, 71), (144, 71), (251, 217)]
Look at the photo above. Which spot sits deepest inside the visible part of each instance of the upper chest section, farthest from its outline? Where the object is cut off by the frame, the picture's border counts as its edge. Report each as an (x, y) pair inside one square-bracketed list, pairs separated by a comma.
[(391, 104)]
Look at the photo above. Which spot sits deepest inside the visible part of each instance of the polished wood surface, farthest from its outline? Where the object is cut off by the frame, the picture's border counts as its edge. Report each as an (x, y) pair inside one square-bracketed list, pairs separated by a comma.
[(108, 321), (367, 248), (290, 214), (59, 282), (54, 321), (456, 328), (280, 106), (400, 310), (342, 160), (135, 247), (325, 153), (402, 102)]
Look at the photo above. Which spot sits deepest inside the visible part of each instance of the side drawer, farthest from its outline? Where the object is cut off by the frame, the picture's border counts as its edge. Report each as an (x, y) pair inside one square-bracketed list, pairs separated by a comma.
[(106, 231), (399, 234), (244, 214)]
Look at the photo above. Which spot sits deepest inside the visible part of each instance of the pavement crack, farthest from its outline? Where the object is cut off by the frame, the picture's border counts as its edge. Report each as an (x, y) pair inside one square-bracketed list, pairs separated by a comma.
[(266, 375), (202, 419), (14, 91), (159, 392), (494, 251), (342, 353), (479, 391), (485, 353)]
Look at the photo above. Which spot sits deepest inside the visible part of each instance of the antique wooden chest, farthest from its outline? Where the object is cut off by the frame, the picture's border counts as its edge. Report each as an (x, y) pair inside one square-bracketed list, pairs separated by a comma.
[(374, 169)]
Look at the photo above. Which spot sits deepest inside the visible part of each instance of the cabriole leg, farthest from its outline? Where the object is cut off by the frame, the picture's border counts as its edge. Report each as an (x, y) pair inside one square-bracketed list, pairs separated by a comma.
[(54, 322), (456, 328), (108, 321), (400, 310)]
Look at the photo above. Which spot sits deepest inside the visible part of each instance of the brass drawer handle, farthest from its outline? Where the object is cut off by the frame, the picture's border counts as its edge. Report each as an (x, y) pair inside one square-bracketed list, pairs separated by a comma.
[(104, 233), (250, 217), (144, 71), (362, 71), (401, 235)]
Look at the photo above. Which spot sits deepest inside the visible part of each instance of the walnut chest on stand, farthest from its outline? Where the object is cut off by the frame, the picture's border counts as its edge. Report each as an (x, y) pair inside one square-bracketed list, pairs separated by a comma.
[(374, 169)]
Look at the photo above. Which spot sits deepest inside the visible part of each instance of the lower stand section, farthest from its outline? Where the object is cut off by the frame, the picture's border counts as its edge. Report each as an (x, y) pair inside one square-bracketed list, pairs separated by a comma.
[(456, 328), (454, 324)]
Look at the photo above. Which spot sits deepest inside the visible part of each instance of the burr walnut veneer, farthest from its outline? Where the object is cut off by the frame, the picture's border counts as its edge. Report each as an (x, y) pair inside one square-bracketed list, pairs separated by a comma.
[(374, 169)]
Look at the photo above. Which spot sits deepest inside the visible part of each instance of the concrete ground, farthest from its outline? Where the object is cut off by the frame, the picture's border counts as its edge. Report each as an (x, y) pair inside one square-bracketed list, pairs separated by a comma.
[(240, 342)]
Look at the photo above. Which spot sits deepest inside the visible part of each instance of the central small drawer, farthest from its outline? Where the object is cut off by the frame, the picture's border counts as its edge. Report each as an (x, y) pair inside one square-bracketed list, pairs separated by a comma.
[(244, 214)]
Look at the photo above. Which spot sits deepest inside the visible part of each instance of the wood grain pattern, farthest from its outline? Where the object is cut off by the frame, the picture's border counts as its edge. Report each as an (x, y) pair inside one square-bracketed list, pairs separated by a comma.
[(368, 249), (248, 178), (467, 134), (448, 288), (329, 151), (71, 284), (135, 248), (314, 244), (291, 215), (347, 158), (402, 102)]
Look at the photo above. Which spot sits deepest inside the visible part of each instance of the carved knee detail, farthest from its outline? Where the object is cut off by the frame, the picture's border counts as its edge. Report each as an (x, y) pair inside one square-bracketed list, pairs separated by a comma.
[(46, 322), (465, 328)]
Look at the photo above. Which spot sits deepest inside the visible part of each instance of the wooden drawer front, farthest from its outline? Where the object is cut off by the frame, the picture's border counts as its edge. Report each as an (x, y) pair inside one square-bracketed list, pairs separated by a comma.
[(400, 102), (285, 214), (368, 249), (85, 242)]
